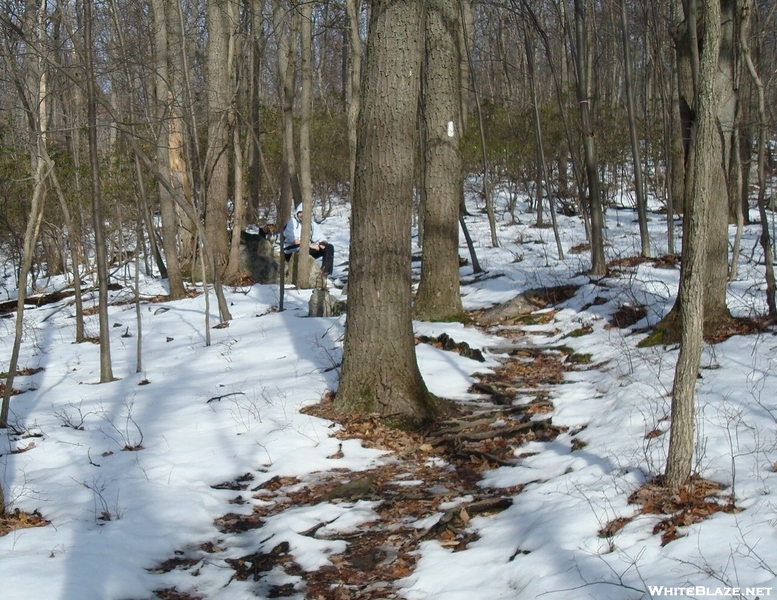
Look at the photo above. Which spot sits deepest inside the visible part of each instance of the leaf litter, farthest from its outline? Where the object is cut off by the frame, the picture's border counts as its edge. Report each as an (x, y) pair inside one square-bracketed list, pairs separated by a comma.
[(428, 489)]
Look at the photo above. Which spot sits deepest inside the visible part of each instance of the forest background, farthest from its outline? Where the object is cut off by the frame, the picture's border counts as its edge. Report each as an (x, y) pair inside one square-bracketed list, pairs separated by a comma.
[(173, 124), (154, 132)]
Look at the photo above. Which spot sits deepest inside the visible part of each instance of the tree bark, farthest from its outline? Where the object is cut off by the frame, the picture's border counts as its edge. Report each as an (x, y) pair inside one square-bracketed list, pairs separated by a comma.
[(30, 237), (255, 164), (560, 85), (306, 186), (164, 109), (598, 264), (353, 83), (285, 32), (106, 371), (439, 296), (715, 266), (702, 166), (379, 372), (238, 195), (183, 140), (216, 182)]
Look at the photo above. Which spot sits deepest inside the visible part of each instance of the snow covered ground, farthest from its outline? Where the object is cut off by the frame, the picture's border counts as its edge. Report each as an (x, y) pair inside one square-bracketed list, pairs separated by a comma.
[(198, 416)]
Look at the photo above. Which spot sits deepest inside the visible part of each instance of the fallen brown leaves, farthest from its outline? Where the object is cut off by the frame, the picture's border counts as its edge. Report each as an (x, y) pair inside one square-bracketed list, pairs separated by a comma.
[(628, 261), (445, 342), (736, 326), (693, 503), (18, 519), (419, 486), (429, 490), (14, 391), (23, 372), (174, 594), (627, 315), (529, 368)]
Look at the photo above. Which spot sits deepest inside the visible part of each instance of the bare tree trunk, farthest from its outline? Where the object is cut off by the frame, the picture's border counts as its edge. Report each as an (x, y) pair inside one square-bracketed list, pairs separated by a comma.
[(465, 33), (682, 94), (75, 248), (138, 312), (541, 181), (598, 264), (716, 265), (238, 186), (306, 187), (189, 211), (487, 191), (164, 110), (476, 268), (206, 293), (216, 183), (559, 85), (541, 163), (702, 165), (735, 183), (673, 148), (766, 242), (106, 371), (30, 237), (353, 83), (239, 211), (379, 372), (184, 147), (439, 296), (291, 194), (639, 186), (255, 166)]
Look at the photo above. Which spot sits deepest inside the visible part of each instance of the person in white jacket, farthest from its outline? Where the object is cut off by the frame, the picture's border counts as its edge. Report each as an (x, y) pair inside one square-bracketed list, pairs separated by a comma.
[(318, 245)]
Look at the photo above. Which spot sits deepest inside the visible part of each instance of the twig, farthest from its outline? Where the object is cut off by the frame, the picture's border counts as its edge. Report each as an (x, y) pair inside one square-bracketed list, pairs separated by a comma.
[(225, 396)]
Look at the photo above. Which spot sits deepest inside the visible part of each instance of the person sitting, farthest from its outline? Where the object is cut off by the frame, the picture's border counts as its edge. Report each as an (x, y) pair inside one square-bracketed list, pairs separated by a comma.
[(318, 248)]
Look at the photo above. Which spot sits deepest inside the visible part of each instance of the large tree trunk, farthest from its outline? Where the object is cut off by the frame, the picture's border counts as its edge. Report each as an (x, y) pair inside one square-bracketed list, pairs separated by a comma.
[(255, 163), (379, 372), (306, 187), (183, 145), (216, 181), (238, 214), (286, 33), (164, 108), (238, 195), (703, 166), (439, 296), (715, 266)]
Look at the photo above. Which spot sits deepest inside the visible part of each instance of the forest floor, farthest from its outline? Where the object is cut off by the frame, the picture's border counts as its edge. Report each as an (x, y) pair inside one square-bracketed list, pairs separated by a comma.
[(433, 478), (432, 486)]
